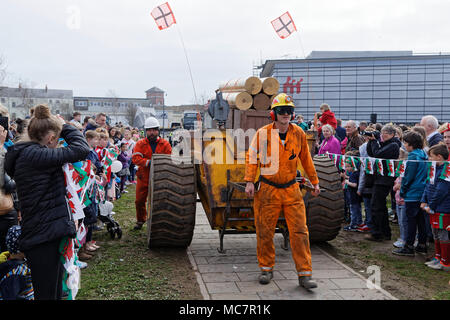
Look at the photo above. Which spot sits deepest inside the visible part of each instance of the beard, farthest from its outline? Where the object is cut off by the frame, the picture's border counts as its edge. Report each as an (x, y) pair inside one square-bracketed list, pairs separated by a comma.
[(152, 138)]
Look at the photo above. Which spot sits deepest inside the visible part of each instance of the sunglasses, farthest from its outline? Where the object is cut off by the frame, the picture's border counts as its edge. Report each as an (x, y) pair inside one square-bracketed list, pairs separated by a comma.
[(285, 110)]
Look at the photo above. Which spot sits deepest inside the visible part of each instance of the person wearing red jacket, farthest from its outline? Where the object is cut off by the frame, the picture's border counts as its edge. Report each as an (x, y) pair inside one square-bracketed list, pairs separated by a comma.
[(141, 157), (327, 117)]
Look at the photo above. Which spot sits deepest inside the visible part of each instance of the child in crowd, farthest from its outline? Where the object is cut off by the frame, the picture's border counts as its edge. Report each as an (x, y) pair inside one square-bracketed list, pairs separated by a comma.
[(365, 186), (411, 190), (436, 202), (90, 212), (351, 182), (93, 139), (400, 202), (15, 276), (127, 138), (124, 158), (401, 214), (102, 144)]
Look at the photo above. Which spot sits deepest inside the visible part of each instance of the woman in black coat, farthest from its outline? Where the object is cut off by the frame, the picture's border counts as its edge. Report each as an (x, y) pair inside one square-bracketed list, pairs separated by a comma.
[(36, 167), (388, 147)]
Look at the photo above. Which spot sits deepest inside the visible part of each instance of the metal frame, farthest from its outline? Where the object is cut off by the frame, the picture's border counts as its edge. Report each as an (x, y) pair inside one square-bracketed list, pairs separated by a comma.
[(240, 186)]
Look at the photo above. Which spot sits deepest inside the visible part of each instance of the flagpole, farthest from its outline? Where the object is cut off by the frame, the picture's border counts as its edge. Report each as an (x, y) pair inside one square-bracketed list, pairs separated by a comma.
[(188, 63), (307, 68)]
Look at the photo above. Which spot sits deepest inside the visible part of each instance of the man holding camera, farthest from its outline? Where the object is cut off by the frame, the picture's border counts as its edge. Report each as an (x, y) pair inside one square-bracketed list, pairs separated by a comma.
[(382, 145)]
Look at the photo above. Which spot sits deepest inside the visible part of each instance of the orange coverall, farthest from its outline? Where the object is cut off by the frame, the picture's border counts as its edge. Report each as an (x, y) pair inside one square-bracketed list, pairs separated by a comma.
[(141, 157), (270, 201)]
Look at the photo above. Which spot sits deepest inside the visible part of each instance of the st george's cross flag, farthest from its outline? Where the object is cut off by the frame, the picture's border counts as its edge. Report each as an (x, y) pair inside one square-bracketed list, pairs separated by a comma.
[(163, 16), (284, 25)]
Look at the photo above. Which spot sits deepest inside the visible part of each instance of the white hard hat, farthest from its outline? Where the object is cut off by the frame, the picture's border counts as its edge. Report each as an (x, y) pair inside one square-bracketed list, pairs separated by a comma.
[(151, 123)]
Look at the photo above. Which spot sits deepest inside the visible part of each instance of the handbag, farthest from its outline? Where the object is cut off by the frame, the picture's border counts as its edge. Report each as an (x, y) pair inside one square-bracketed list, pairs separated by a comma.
[(6, 203)]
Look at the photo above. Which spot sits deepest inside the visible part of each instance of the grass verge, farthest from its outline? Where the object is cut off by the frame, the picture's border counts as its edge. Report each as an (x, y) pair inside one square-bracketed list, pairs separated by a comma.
[(125, 269)]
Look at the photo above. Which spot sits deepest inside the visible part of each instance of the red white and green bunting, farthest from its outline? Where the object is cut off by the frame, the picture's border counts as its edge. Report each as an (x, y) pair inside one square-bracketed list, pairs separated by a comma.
[(431, 176), (352, 161), (108, 158), (342, 162), (379, 167), (71, 278), (445, 175), (369, 165), (400, 171), (389, 167)]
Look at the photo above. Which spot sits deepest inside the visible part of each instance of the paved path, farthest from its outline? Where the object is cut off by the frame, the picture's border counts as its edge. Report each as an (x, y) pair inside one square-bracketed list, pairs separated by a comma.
[(234, 275)]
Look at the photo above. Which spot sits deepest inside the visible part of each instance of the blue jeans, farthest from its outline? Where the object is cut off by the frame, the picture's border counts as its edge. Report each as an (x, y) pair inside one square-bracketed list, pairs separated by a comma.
[(415, 218), (355, 214), (402, 221), (368, 219)]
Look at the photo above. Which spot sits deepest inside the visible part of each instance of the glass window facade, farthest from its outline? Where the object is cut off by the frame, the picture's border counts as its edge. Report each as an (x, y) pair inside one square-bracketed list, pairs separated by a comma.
[(396, 89)]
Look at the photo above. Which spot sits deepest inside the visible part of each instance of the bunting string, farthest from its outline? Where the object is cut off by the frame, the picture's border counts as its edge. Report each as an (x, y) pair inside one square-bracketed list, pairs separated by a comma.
[(391, 168)]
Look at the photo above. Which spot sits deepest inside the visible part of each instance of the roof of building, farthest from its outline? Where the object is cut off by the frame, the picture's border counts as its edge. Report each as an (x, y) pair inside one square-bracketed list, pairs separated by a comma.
[(327, 56), (356, 54), (111, 98), (154, 89), (36, 93)]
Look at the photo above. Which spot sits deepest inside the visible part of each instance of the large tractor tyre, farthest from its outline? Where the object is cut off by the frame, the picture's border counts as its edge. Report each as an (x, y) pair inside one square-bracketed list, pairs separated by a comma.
[(325, 212), (172, 198)]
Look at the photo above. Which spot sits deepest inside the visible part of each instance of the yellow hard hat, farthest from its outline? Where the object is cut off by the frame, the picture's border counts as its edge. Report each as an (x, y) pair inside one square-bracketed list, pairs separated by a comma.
[(281, 100)]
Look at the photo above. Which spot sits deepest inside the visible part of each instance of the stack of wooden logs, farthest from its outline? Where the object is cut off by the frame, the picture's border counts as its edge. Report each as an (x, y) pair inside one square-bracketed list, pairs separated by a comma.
[(250, 93)]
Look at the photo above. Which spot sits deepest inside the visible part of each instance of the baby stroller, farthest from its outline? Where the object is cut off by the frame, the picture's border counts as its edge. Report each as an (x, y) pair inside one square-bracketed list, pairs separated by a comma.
[(106, 217)]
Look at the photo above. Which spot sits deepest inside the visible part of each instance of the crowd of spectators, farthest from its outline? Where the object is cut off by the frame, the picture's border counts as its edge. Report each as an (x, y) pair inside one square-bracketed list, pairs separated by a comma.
[(34, 207), (420, 207)]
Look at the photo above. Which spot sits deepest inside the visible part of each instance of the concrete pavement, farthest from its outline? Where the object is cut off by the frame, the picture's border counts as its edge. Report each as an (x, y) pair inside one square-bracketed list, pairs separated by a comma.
[(234, 275)]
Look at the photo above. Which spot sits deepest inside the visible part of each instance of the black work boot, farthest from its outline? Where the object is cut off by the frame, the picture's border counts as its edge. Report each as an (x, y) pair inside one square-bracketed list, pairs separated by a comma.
[(306, 282), (265, 277), (138, 226)]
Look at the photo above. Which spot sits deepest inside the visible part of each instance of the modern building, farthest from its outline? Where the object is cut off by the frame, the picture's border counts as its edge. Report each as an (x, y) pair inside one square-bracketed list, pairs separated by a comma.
[(391, 86), (20, 100)]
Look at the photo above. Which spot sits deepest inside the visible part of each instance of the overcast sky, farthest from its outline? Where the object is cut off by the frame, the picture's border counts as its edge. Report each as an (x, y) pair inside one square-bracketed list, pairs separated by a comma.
[(117, 46)]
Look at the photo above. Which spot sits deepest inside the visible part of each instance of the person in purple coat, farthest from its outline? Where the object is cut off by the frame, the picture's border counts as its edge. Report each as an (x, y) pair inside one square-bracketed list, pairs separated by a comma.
[(330, 143)]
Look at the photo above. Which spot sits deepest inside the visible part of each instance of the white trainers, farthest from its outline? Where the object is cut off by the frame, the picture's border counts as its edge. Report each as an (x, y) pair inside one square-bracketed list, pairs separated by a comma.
[(81, 264), (432, 261)]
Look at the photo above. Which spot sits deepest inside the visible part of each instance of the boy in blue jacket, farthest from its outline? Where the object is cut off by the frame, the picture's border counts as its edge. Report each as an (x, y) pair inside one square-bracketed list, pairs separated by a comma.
[(412, 188), (436, 202)]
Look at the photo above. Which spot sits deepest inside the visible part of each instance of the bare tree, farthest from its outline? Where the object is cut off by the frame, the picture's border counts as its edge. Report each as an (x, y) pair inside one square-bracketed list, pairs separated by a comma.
[(2, 72), (26, 95), (2, 69), (115, 98), (131, 114)]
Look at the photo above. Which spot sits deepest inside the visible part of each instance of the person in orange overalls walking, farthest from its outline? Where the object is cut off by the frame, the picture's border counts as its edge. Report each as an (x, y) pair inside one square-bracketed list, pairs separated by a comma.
[(141, 157), (276, 150)]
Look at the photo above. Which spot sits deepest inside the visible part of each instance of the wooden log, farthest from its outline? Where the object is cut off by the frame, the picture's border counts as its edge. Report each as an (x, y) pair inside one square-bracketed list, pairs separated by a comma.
[(261, 101), (270, 86), (239, 100), (251, 85)]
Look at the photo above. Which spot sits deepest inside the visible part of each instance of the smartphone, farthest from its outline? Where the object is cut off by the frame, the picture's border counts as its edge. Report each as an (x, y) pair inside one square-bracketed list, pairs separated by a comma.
[(4, 122)]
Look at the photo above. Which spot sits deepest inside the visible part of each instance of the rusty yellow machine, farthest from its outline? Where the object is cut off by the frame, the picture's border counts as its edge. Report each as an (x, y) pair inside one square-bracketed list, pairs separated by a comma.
[(209, 165)]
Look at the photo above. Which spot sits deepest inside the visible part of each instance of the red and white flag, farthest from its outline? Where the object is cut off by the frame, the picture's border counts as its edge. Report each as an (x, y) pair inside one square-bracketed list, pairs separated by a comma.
[(284, 25), (163, 16)]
